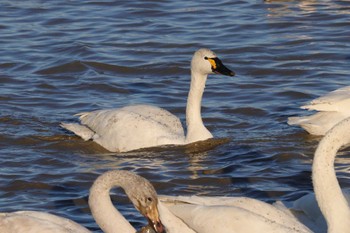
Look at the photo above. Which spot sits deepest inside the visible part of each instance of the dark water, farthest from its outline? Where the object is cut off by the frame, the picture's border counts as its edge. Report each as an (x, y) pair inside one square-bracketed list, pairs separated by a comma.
[(59, 58)]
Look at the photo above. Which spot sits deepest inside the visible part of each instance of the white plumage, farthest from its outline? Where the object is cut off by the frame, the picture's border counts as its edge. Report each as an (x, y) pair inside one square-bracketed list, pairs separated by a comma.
[(230, 215), (140, 126), (37, 222), (332, 108), (138, 189)]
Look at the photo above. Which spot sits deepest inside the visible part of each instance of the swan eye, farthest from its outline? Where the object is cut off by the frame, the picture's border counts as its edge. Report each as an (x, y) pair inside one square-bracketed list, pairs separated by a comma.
[(205, 58), (149, 199)]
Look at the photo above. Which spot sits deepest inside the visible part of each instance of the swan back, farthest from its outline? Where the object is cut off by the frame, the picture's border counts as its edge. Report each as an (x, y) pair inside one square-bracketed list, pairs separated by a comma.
[(37, 222)]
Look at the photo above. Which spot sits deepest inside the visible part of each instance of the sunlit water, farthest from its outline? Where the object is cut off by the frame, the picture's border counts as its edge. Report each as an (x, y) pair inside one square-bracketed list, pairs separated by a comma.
[(61, 58)]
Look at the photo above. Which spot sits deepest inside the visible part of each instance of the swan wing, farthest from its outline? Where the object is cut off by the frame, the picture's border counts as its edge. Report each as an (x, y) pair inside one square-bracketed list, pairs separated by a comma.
[(132, 127), (306, 210), (37, 222), (318, 123), (231, 214), (338, 100)]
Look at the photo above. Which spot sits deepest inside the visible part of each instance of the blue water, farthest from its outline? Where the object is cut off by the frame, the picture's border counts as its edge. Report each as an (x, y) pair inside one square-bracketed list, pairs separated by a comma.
[(59, 58)]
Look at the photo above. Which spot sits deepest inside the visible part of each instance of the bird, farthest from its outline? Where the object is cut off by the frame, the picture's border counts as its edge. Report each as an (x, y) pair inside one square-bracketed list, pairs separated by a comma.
[(219, 214), (333, 202), (37, 222), (142, 126), (325, 210), (332, 108), (139, 190)]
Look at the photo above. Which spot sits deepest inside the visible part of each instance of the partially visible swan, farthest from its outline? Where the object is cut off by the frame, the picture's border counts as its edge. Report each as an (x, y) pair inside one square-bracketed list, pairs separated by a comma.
[(230, 214), (141, 126), (330, 198), (239, 214), (138, 189), (333, 107), (37, 222)]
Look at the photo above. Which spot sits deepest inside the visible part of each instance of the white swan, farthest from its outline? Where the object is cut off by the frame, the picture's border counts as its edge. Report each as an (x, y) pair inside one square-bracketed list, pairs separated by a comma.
[(37, 222), (229, 214), (138, 189), (332, 108), (329, 196), (140, 126), (239, 214)]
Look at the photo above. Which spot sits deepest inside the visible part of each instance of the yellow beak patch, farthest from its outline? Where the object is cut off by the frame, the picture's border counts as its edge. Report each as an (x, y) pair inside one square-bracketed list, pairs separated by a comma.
[(212, 62)]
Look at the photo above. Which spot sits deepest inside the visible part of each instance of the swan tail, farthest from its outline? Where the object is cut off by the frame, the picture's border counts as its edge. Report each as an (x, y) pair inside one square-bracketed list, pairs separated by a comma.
[(80, 130), (313, 128)]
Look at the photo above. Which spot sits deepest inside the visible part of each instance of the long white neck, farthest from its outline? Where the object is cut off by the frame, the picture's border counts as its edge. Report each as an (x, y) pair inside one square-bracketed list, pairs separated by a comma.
[(327, 190), (106, 216), (196, 130)]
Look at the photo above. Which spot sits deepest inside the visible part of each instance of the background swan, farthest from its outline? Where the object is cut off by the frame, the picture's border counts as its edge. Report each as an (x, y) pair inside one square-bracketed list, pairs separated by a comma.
[(332, 108), (138, 189), (141, 126)]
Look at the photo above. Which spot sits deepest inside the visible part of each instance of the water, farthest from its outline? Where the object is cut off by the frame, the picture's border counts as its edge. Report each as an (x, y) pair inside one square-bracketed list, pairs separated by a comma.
[(60, 58)]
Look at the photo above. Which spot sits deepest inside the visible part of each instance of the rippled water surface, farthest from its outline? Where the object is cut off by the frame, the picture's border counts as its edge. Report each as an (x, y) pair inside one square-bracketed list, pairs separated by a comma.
[(59, 58)]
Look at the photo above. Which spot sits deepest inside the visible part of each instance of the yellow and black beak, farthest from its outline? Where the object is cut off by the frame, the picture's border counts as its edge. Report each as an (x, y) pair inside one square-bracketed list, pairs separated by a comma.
[(219, 68)]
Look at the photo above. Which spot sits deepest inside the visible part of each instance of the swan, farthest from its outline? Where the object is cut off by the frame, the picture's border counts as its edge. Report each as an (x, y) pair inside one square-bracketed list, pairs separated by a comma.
[(229, 214), (139, 190), (330, 198), (141, 126), (333, 107), (193, 214), (37, 222), (239, 214)]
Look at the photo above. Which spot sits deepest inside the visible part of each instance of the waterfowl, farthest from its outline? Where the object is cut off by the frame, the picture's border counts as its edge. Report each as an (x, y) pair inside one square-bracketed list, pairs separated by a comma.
[(141, 126), (332, 108), (331, 199), (139, 190)]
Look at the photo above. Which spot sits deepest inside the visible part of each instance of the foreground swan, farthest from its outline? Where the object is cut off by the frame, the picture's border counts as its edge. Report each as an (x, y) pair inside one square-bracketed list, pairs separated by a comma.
[(330, 198), (138, 189), (333, 107), (229, 214), (141, 126), (37, 222)]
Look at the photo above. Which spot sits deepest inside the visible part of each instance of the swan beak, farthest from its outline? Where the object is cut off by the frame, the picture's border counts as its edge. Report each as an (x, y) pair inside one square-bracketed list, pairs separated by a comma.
[(219, 68), (152, 215)]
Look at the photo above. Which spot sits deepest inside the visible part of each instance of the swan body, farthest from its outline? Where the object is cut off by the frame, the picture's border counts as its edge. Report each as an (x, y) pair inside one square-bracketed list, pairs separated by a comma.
[(141, 126), (332, 108), (37, 222), (138, 189), (230, 214)]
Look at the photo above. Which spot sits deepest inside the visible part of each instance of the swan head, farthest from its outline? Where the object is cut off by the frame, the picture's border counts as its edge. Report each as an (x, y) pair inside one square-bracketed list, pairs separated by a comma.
[(206, 62), (144, 197)]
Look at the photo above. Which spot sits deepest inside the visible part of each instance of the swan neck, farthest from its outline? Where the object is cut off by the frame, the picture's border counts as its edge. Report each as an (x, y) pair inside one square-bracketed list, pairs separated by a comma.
[(327, 190), (196, 130), (105, 214)]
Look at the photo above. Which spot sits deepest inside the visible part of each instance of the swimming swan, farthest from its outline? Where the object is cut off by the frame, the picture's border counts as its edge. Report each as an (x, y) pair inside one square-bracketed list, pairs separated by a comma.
[(141, 126), (138, 189), (333, 107)]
